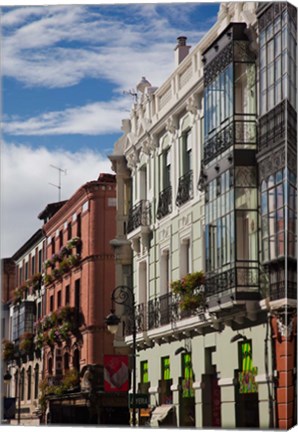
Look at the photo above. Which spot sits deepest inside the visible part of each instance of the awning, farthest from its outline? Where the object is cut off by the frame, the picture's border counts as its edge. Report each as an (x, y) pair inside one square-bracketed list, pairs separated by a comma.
[(160, 414)]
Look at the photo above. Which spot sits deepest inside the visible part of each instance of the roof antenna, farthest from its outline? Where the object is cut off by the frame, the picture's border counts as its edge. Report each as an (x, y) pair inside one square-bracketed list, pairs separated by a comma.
[(60, 170)]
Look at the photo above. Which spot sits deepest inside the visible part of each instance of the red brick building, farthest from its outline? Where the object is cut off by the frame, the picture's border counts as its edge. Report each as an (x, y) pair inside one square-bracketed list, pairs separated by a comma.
[(80, 277)]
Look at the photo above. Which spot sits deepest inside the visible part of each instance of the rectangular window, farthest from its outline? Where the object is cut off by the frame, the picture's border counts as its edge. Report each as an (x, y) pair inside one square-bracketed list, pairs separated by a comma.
[(79, 225), (60, 238), (53, 245), (144, 372), (39, 261), (26, 270), (187, 376), (165, 368), (58, 299), (77, 293), (186, 152), (51, 303), (33, 265), (166, 169), (67, 295), (69, 231)]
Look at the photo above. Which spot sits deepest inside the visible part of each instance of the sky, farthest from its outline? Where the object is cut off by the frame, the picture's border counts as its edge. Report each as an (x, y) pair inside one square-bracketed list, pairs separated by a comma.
[(66, 71)]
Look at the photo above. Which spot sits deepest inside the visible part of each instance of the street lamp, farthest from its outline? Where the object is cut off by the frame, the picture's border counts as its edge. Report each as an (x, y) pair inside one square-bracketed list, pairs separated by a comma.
[(124, 295), (7, 378)]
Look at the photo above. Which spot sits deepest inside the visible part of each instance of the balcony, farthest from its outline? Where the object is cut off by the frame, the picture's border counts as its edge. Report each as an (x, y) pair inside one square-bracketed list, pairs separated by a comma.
[(185, 189), (160, 311), (235, 280), (139, 215), (164, 203)]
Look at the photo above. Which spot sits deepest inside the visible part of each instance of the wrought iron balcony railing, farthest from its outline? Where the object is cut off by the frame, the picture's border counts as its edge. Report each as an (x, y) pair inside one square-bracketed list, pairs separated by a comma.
[(185, 189), (164, 203), (161, 311), (237, 277), (139, 215)]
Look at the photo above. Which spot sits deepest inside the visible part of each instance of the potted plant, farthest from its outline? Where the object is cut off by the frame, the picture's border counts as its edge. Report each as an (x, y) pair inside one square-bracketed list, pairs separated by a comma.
[(8, 350), (48, 279), (64, 266), (188, 289), (26, 345), (74, 260)]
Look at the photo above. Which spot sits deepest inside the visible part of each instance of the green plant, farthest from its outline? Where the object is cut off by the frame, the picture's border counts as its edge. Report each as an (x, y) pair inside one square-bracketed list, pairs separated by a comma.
[(26, 345), (48, 279), (73, 260), (64, 266), (71, 379), (8, 350), (189, 290)]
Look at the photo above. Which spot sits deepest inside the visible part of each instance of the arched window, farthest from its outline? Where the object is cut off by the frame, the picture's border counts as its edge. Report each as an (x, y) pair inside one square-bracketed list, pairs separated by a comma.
[(29, 376), (76, 360), (22, 384), (50, 366), (36, 381), (66, 361), (16, 384)]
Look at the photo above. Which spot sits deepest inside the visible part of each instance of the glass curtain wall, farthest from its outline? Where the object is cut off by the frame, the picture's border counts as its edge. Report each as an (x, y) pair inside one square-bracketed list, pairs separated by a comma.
[(231, 197)]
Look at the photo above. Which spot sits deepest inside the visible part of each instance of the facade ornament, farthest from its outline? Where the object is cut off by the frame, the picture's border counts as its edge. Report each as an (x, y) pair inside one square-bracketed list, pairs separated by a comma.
[(149, 144), (133, 158), (192, 105), (171, 125)]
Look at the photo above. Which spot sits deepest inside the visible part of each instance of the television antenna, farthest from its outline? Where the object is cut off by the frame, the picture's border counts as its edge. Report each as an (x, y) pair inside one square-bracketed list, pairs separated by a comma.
[(58, 186), (132, 93)]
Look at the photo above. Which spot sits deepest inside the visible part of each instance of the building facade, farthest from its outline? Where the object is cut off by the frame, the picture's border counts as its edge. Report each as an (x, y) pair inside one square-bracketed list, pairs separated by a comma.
[(24, 362), (206, 192), (79, 279)]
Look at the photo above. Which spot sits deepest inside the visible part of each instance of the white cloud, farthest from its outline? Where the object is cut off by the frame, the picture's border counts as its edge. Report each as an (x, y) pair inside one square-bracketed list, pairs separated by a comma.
[(92, 119), (25, 178), (65, 44)]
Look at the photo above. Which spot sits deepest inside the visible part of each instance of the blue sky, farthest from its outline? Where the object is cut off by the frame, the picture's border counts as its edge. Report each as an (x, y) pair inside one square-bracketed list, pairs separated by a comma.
[(64, 71)]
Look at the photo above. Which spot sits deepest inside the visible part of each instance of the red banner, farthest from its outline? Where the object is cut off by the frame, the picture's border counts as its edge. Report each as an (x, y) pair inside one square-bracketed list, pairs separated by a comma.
[(115, 373)]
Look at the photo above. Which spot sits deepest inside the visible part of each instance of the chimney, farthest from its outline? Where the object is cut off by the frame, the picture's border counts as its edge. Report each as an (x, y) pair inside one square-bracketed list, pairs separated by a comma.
[(181, 50)]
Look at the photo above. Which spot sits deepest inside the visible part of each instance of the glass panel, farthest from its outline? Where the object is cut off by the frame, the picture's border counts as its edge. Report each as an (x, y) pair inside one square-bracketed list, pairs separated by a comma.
[(265, 250), (272, 223), (272, 247), (265, 226), (247, 249), (270, 51), (280, 220), (277, 45), (264, 203), (279, 196), (246, 198), (271, 199)]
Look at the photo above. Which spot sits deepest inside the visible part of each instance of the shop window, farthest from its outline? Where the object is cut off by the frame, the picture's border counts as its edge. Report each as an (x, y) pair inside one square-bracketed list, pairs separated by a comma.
[(144, 372), (165, 382)]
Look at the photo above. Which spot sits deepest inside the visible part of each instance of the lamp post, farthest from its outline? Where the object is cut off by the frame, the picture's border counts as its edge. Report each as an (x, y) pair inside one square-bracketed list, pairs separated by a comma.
[(124, 295), (7, 378)]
